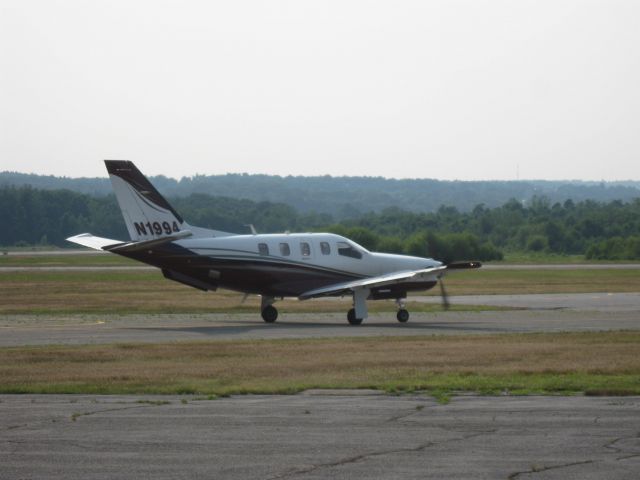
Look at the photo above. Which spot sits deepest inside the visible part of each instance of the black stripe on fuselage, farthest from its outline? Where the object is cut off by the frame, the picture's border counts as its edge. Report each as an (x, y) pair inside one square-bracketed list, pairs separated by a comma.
[(265, 276), (247, 254)]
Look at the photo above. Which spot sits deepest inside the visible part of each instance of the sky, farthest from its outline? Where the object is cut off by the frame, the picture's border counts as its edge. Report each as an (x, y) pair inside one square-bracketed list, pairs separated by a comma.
[(450, 89)]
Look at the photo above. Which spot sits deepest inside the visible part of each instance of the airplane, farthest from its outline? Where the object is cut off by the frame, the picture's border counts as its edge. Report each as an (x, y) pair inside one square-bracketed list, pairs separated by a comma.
[(274, 266)]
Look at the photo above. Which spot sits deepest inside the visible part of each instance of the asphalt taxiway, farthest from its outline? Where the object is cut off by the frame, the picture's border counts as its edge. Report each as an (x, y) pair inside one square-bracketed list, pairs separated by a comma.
[(312, 436)]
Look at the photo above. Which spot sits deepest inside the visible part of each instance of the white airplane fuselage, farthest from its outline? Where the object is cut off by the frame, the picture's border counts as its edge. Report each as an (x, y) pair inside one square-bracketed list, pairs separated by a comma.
[(278, 265)]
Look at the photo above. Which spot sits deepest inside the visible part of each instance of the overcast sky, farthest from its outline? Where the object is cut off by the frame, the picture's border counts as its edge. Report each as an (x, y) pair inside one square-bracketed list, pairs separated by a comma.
[(406, 89)]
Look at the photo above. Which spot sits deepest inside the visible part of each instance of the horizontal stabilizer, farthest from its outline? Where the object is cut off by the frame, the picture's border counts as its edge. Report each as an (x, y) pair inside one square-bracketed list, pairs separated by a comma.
[(91, 241), (134, 246)]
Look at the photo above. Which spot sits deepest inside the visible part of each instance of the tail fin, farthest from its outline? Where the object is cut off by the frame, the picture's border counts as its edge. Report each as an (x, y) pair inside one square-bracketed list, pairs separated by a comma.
[(146, 213)]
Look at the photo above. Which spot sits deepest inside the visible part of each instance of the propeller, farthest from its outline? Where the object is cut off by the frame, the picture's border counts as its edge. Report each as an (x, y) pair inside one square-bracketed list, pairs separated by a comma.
[(244, 298), (454, 266), (443, 294)]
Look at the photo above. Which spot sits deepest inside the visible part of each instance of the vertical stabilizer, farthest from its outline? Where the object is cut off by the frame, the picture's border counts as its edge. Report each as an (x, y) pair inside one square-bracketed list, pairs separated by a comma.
[(146, 213)]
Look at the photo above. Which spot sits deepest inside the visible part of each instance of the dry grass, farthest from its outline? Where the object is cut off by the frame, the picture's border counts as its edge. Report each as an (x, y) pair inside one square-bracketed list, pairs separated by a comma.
[(27, 259), (97, 292), (607, 360)]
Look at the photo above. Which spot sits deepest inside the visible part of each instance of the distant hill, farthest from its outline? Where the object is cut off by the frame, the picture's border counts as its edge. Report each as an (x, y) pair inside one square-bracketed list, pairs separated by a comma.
[(347, 197), (33, 216)]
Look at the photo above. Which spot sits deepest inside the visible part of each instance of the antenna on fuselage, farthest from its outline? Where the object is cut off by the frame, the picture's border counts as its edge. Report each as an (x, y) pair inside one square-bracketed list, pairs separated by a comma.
[(252, 228)]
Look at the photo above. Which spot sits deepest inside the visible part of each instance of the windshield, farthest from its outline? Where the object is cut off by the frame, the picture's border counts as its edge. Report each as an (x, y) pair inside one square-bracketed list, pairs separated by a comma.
[(346, 249)]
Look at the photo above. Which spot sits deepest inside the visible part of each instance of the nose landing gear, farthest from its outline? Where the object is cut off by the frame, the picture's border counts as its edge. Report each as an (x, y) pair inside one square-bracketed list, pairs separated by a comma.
[(403, 313)]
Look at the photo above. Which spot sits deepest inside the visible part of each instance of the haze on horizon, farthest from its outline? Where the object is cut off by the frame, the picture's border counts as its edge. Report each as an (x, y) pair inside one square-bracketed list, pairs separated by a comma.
[(461, 89)]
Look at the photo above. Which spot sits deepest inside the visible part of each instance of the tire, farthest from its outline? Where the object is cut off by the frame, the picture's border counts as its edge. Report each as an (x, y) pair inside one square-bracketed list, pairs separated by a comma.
[(351, 317), (403, 315), (270, 314)]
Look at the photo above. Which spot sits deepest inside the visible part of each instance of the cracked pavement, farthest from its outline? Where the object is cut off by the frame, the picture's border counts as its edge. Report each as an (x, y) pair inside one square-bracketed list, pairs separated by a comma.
[(318, 435)]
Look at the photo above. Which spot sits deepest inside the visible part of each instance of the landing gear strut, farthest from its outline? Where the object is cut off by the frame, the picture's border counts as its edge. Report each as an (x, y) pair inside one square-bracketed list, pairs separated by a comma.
[(359, 310), (269, 312)]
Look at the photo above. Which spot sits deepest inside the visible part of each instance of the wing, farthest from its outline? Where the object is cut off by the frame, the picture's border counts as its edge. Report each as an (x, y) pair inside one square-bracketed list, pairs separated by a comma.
[(372, 282), (388, 279)]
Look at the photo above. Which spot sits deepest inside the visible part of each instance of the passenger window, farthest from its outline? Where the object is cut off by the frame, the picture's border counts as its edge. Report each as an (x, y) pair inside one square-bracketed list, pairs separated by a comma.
[(263, 249), (347, 250), (305, 249), (285, 251), (325, 248)]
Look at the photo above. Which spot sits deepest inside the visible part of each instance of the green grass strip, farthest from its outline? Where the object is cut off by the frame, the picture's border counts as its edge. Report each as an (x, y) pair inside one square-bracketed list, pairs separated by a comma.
[(593, 363)]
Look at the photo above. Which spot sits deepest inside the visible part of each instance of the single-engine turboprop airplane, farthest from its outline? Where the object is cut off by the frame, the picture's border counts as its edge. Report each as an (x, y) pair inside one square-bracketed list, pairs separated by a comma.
[(302, 265)]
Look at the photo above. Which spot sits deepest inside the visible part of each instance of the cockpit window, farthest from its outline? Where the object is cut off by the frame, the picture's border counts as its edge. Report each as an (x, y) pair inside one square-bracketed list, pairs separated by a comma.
[(285, 251), (263, 249), (305, 249), (325, 248), (348, 250)]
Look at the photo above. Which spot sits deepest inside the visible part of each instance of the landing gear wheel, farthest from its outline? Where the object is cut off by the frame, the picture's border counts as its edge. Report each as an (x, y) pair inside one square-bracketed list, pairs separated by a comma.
[(403, 315), (270, 314), (351, 316)]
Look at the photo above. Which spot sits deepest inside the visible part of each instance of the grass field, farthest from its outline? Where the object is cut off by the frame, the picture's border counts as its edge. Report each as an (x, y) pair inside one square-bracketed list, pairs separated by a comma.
[(68, 260), (493, 282), (594, 363)]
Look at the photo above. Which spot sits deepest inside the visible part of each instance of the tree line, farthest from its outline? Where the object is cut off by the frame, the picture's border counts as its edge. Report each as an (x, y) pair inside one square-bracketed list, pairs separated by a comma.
[(599, 230), (350, 197)]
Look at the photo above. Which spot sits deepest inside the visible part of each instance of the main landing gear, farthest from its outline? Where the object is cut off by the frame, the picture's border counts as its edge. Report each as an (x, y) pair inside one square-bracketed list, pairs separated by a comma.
[(359, 310), (269, 312)]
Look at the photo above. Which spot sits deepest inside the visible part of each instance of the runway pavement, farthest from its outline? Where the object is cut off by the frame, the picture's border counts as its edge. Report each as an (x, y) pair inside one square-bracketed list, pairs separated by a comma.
[(540, 313), (311, 436)]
